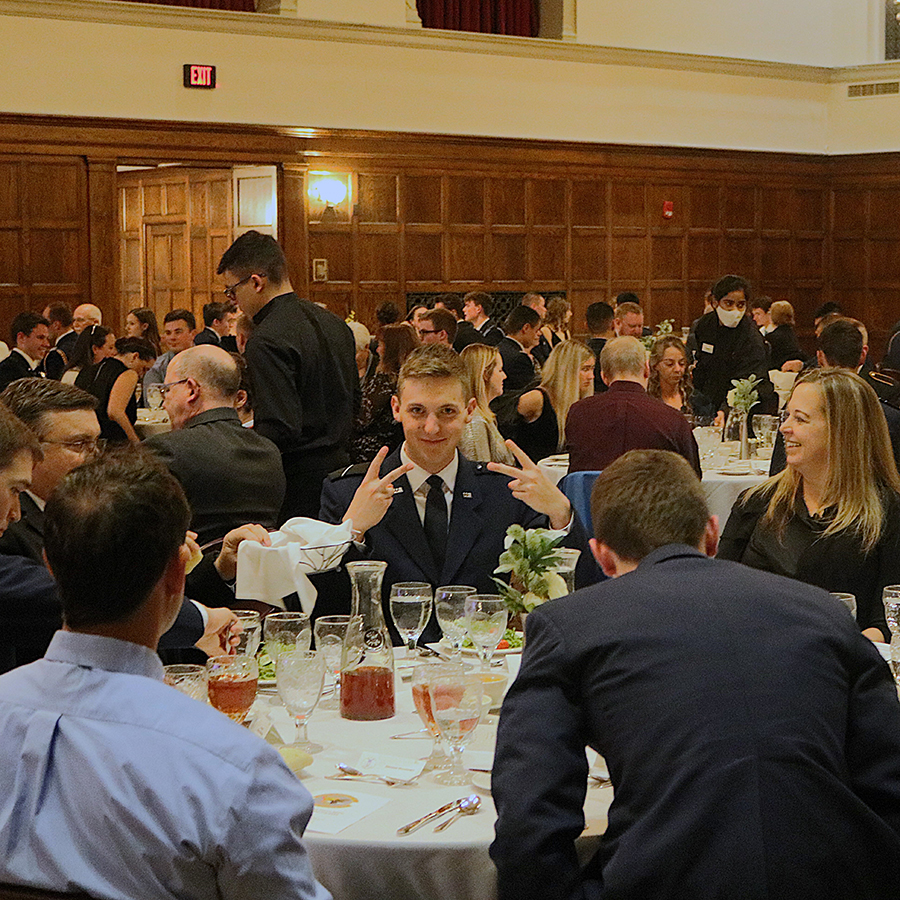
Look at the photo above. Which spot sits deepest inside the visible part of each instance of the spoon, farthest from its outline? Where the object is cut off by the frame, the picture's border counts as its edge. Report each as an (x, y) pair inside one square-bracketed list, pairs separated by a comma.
[(467, 806), (355, 773)]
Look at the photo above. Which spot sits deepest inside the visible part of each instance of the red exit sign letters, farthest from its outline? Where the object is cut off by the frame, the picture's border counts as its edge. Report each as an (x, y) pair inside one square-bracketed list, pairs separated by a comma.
[(199, 76)]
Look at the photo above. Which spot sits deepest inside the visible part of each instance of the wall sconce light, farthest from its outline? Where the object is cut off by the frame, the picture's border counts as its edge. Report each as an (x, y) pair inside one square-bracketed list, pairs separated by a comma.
[(329, 196)]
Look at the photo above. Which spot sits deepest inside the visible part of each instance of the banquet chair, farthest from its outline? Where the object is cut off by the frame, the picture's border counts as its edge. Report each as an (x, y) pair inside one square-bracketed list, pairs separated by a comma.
[(577, 487), (17, 892)]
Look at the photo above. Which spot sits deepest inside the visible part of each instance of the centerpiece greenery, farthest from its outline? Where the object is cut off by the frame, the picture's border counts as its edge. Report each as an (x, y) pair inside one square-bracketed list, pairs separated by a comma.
[(744, 396), (530, 558), (664, 328)]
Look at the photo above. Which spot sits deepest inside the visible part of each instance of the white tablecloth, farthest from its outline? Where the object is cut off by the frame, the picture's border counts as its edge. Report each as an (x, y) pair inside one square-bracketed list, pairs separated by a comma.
[(147, 425), (368, 859), (721, 490)]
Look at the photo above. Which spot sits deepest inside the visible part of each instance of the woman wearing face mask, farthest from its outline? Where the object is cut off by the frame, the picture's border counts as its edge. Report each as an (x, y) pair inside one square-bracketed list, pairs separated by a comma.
[(729, 346)]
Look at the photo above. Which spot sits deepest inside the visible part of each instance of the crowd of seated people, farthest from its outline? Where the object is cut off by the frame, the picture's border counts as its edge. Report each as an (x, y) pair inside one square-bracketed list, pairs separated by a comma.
[(426, 438)]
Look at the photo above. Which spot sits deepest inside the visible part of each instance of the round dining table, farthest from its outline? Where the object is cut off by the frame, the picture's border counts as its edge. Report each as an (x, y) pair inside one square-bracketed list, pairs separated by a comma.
[(368, 858), (724, 477)]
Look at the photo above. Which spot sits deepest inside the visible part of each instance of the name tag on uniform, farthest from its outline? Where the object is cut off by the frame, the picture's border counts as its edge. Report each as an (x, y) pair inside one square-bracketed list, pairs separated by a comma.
[(467, 494), (707, 348)]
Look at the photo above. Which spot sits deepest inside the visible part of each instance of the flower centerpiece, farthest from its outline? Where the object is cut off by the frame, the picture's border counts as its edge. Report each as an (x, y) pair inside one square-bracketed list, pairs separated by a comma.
[(530, 558), (664, 328), (741, 399), (744, 396)]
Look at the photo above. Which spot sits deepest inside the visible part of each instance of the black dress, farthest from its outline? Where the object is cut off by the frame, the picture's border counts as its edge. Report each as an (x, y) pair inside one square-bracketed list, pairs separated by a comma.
[(374, 426), (539, 438), (99, 380)]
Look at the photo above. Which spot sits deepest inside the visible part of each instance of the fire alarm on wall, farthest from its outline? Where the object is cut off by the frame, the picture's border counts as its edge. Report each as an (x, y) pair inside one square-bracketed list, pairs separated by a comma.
[(668, 209)]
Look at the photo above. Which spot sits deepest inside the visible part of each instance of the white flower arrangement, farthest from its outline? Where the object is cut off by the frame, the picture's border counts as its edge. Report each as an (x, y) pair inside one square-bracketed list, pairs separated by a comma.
[(529, 558), (744, 396)]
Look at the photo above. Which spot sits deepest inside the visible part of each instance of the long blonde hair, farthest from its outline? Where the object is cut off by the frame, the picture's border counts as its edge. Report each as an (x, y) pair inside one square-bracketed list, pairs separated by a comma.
[(861, 465), (480, 362), (560, 379)]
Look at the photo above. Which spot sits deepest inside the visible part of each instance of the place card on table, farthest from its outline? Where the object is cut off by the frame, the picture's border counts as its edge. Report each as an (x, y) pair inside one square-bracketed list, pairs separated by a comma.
[(334, 811), (479, 759), (400, 767)]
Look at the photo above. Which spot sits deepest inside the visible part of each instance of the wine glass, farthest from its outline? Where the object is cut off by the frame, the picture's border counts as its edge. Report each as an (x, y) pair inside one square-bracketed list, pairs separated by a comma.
[(450, 606), (891, 599), (849, 600), (232, 682), (249, 637), (190, 679), (565, 568), (422, 699), (410, 608), (154, 396), (299, 675), (456, 704), (330, 632), (486, 618), (286, 631)]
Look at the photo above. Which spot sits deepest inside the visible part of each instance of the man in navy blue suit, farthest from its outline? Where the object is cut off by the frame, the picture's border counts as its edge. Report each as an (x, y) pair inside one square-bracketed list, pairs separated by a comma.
[(751, 733), (426, 510)]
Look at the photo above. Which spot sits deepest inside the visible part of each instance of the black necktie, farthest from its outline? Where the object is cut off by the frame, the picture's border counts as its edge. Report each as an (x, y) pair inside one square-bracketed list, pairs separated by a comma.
[(436, 519)]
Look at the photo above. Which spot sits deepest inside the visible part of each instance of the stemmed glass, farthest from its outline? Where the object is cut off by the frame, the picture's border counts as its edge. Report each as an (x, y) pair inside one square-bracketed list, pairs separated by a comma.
[(286, 631), (410, 608), (232, 682), (849, 600), (422, 674), (330, 632), (249, 638), (891, 599), (486, 618), (456, 704), (450, 606), (299, 675)]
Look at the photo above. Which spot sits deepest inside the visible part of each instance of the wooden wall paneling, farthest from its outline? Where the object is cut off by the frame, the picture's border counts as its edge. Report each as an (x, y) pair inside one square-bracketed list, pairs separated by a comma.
[(506, 199), (466, 257), (421, 199), (293, 224), (104, 245), (379, 256), (466, 200), (422, 257)]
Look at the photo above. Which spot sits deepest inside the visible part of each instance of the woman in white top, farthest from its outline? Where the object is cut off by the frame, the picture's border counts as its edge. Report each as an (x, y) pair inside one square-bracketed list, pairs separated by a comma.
[(481, 441)]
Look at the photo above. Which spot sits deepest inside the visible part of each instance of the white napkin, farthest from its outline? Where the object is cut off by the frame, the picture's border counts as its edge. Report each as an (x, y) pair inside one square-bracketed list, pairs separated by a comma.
[(271, 573)]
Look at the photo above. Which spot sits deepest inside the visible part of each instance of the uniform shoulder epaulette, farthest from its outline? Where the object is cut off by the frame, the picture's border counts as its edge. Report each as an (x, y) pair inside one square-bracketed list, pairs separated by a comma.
[(357, 469)]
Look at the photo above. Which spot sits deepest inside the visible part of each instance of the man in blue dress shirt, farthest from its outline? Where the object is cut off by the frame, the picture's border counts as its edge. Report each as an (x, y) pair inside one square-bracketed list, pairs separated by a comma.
[(111, 782)]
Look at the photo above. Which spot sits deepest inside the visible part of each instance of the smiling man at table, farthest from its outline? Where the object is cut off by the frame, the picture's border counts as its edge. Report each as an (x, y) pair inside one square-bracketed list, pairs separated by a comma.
[(752, 734), (426, 510), (112, 782)]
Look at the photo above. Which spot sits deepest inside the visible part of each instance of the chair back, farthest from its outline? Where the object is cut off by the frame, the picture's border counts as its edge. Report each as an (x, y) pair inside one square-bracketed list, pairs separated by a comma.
[(17, 892), (577, 487)]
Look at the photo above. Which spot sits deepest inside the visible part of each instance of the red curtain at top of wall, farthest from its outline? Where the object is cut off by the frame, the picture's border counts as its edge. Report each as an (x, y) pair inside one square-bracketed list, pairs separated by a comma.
[(231, 5), (512, 17)]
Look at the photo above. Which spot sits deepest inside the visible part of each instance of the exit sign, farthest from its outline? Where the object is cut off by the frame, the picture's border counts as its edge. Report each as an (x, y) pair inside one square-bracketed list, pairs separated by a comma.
[(199, 76)]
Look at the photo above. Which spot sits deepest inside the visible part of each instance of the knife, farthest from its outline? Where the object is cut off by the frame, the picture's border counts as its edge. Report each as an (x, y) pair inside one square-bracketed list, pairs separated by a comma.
[(440, 811)]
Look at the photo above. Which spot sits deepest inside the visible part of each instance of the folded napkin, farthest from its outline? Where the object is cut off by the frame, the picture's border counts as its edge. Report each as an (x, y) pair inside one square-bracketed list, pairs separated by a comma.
[(299, 547)]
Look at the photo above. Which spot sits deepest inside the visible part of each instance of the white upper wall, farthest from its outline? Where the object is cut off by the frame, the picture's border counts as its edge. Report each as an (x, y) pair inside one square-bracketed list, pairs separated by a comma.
[(122, 60), (810, 32)]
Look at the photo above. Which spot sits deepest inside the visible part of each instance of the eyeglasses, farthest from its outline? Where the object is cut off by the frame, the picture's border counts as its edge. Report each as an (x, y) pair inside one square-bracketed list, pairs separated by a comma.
[(229, 291), (83, 445), (165, 388), (427, 331)]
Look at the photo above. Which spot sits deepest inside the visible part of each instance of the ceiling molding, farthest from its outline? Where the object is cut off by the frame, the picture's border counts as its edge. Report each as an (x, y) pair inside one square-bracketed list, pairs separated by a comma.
[(184, 18)]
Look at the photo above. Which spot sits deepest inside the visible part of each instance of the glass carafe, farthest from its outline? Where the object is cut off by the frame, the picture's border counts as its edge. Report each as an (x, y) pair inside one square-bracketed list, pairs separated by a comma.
[(367, 658)]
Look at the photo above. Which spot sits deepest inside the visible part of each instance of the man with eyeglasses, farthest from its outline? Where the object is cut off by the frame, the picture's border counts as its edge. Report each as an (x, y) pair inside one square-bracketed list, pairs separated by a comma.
[(302, 365), (63, 419), (438, 327), (729, 346)]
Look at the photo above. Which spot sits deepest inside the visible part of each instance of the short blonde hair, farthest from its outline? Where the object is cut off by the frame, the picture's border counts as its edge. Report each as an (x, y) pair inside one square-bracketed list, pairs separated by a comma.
[(433, 361), (782, 313), (861, 463)]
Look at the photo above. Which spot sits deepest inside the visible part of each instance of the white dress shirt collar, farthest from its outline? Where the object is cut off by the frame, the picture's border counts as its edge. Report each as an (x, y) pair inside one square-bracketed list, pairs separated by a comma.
[(32, 363), (418, 476)]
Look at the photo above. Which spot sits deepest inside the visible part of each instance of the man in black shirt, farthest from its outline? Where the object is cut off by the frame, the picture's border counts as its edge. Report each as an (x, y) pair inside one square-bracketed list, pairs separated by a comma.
[(302, 365), (599, 317)]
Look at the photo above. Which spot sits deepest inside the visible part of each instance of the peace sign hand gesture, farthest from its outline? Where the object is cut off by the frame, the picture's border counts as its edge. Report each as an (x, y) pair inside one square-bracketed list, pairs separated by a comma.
[(532, 487), (374, 496)]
